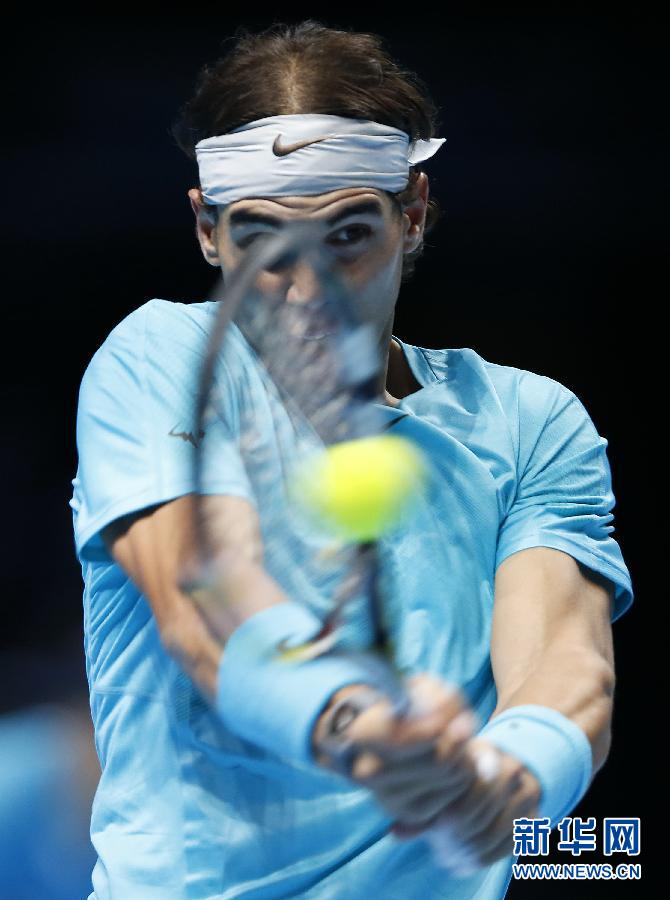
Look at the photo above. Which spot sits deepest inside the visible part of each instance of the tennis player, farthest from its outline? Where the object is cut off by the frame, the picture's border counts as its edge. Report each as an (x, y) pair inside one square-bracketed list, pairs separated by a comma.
[(221, 775)]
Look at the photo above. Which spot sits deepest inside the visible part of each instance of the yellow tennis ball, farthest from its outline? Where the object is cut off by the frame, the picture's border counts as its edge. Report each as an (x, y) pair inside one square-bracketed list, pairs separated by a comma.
[(360, 488)]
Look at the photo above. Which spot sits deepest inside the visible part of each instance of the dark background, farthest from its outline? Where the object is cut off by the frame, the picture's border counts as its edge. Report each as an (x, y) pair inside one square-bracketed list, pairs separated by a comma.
[(543, 260)]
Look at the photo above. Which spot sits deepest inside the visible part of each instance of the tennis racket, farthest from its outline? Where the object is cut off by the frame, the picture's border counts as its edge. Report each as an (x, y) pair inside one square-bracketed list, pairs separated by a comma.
[(318, 368)]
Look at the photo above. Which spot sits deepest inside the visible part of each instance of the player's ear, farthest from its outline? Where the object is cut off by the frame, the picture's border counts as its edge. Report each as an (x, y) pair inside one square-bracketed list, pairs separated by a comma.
[(414, 206), (206, 222)]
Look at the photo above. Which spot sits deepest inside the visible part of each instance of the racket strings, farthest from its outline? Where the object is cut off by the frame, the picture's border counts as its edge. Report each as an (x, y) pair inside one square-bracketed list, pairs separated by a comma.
[(321, 372), (306, 371)]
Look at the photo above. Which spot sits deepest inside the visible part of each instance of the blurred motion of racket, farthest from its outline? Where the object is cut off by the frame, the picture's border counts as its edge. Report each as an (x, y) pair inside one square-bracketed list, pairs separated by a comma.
[(321, 370)]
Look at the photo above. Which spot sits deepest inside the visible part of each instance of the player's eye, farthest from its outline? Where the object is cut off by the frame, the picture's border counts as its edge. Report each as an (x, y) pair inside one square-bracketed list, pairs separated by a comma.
[(350, 235), (248, 239)]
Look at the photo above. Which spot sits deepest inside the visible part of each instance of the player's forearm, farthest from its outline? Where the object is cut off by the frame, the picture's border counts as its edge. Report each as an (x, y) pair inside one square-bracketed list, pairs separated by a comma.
[(577, 683), (242, 589), (201, 620), (189, 641), (204, 617), (197, 612), (246, 589)]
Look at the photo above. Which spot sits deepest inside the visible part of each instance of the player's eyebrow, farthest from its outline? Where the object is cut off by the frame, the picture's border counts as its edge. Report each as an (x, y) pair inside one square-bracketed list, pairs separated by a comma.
[(247, 217)]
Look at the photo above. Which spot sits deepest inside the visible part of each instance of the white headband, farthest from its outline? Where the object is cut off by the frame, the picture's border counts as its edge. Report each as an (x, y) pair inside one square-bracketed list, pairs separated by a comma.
[(280, 156)]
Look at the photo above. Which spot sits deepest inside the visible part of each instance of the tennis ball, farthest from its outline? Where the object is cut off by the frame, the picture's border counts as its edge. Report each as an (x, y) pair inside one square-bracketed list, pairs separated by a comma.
[(360, 488)]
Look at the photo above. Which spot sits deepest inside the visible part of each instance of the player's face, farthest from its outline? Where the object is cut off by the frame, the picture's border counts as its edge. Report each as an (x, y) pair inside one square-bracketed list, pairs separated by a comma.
[(365, 239)]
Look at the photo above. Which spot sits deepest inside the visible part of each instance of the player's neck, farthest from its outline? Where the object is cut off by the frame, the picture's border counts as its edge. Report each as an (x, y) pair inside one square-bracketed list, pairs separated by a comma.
[(400, 380)]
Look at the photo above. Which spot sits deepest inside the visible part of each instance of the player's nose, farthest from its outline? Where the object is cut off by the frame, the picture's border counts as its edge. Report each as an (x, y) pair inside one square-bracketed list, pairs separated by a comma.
[(303, 283)]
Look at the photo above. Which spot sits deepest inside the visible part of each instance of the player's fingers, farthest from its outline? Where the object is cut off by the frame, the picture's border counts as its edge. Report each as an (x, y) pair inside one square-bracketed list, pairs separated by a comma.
[(433, 705), (372, 734), (469, 803), (418, 794), (374, 725), (422, 809), (366, 766), (477, 809), (416, 769), (433, 709), (443, 760), (413, 777), (376, 731), (501, 840), (436, 712), (409, 758), (450, 744), (486, 841), (408, 775)]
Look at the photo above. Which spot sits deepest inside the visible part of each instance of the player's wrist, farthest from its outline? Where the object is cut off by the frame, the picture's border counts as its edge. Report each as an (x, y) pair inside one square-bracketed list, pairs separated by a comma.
[(553, 750), (276, 704)]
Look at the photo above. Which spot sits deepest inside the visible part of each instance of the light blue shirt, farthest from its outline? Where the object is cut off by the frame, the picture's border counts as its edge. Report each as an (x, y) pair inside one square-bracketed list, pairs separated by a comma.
[(184, 808)]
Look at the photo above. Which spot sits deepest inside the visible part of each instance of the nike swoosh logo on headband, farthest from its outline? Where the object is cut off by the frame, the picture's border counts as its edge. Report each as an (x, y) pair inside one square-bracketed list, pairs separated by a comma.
[(280, 149)]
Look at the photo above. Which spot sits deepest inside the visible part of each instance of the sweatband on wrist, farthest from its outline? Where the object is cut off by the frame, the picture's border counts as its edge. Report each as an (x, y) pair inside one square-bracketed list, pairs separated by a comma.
[(275, 703), (306, 153), (553, 749)]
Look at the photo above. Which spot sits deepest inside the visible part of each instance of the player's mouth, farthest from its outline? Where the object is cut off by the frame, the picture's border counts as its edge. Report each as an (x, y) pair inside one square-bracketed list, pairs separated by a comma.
[(319, 329), (316, 335)]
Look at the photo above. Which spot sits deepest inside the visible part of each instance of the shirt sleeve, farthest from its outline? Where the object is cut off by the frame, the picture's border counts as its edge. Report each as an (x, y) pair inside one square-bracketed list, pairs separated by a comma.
[(136, 428), (564, 497)]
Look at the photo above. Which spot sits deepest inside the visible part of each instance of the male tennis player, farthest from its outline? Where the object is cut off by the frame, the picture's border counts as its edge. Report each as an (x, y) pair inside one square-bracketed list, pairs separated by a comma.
[(216, 768)]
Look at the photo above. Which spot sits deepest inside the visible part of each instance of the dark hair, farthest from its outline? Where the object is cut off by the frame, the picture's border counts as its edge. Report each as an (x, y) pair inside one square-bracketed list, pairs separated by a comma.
[(309, 68)]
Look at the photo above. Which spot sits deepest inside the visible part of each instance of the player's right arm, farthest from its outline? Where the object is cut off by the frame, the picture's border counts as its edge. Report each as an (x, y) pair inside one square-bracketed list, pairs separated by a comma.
[(157, 548)]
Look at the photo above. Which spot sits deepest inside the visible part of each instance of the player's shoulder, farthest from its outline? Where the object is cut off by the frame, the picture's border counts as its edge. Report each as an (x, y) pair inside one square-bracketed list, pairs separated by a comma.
[(465, 367), (161, 317), (156, 324), (478, 383), (521, 388), (533, 389), (173, 316)]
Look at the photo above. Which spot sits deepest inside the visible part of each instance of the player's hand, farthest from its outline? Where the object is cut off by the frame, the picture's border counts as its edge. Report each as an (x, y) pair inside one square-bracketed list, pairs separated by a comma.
[(417, 762), (430, 773), (407, 760), (476, 828)]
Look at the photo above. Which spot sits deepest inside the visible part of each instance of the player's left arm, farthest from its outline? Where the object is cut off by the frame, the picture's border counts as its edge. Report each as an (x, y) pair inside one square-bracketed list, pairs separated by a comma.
[(551, 647), (551, 641)]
